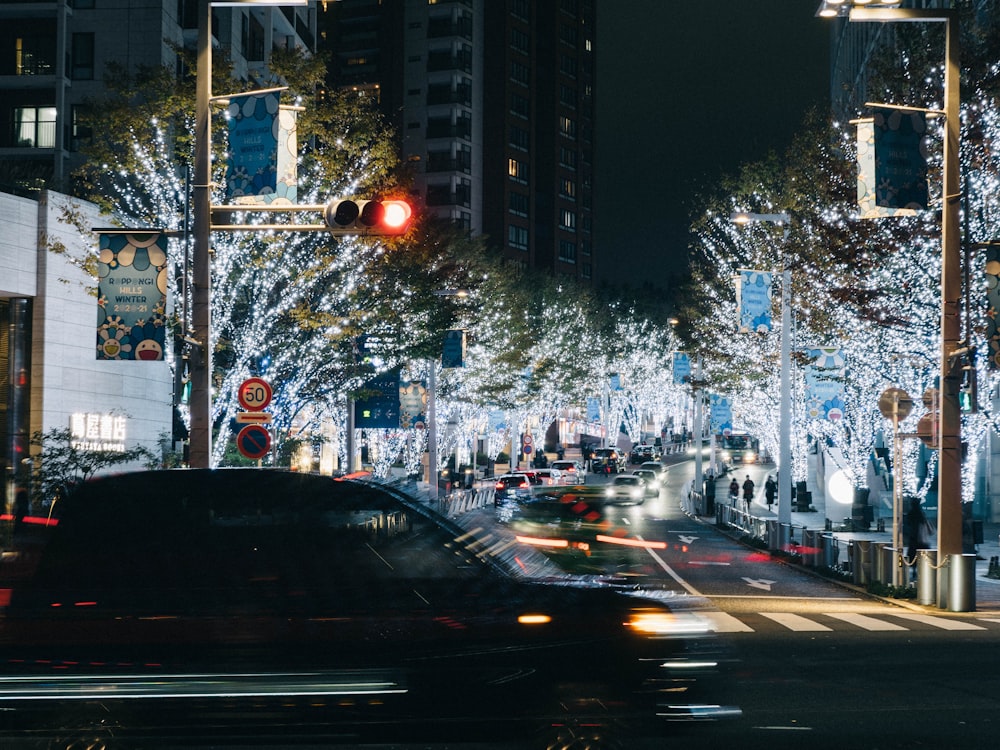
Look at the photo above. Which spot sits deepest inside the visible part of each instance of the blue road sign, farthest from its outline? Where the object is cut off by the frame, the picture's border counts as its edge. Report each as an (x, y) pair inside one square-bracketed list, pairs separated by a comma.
[(254, 441)]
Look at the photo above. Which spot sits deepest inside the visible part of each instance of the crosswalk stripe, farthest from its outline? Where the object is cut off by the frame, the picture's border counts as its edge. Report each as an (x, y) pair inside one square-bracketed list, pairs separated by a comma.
[(864, 621), (723, 622), (795, 622), (943, 623)]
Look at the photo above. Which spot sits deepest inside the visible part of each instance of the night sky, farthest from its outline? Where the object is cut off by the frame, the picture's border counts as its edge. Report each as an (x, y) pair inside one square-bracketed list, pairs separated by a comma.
[(688, 90)]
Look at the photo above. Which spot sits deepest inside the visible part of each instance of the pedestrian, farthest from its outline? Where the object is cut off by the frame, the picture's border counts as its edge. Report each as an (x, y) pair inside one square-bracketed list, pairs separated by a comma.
[(918, 531), (770, 488), (748, 486), (734, 492)]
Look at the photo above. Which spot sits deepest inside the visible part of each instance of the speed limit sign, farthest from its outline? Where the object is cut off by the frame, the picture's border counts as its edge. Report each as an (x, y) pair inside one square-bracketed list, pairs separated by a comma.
[(254, 394)]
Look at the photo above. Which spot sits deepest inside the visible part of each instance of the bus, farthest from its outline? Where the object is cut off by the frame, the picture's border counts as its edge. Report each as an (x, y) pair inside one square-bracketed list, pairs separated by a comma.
[(738, 447)]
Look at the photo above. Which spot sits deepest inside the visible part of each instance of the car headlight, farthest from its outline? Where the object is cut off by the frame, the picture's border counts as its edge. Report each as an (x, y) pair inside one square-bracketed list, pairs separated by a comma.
[(610, 491)]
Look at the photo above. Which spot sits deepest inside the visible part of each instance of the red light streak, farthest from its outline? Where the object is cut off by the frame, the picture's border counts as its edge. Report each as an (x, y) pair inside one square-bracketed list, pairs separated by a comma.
[(631, 542)]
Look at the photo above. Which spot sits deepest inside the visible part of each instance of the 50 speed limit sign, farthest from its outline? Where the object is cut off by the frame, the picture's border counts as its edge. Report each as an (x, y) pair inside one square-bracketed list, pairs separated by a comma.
[(254, 394)]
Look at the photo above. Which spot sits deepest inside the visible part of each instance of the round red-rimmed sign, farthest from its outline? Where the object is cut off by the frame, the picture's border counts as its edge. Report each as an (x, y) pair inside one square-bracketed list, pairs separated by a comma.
[(254, 441), (254, 394)]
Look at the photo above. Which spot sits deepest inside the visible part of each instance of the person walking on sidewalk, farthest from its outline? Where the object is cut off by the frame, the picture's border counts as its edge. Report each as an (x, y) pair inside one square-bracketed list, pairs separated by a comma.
[(734, 492), (748, 486), (770, 488)]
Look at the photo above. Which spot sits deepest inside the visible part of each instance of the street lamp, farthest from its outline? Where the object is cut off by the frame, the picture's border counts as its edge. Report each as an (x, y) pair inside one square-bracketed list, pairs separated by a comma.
[(201, 205), (950, 456), (785, 395)]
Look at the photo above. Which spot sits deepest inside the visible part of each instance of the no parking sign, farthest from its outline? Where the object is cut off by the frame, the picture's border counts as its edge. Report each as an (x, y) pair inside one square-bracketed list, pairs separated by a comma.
[(254, 441)]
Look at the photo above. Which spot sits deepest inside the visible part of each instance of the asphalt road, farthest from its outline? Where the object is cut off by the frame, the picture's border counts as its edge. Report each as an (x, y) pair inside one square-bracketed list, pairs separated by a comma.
[(810, 663)]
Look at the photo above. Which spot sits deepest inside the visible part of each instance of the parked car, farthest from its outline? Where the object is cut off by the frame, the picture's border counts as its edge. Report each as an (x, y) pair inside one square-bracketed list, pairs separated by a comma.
[(625, 489), (273, 608), (607, 461), (569, 472)]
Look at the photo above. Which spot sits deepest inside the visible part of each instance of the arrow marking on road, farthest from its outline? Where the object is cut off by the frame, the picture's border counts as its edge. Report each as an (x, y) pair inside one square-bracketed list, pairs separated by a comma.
[(759, 583), (687, 539)]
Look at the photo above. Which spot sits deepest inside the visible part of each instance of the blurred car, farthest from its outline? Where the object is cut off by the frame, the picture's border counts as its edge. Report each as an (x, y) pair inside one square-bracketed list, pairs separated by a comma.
[(626, 488), (569, 472), (548, 476), (656, 467), (652, 480), (510, 487), (643, 452), (607, 461), (269, 608)]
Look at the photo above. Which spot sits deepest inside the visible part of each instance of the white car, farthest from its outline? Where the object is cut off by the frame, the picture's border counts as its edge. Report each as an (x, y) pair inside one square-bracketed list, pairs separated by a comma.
[(626, 488), (569, 472), (652, 480)]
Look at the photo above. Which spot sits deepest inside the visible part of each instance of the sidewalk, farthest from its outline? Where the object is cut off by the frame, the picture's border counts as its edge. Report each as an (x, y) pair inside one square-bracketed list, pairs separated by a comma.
[(987, 589)]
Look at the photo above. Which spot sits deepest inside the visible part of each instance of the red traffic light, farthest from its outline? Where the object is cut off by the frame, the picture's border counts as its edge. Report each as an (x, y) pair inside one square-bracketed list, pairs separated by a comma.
[(379, 218)]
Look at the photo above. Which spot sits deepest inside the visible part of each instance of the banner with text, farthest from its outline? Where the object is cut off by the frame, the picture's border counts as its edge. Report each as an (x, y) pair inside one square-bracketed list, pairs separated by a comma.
[(867, 205), (992, 276), (900, 158), (753, 300), (131, 296), (252, 169), (682, 368), (824, 378), (720, 414)]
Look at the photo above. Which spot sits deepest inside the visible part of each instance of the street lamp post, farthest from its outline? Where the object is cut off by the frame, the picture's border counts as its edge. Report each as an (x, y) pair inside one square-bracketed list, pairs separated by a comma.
[(785, 393), (950, 451)]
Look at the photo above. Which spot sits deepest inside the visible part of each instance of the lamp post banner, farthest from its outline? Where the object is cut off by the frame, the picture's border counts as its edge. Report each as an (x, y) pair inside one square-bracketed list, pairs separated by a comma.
[(682, 367), (824, 378), (992, 275), (131, 296), (253, 145), (720, 413), (412, 404), (753, 300), (867, 205), (900, 159)]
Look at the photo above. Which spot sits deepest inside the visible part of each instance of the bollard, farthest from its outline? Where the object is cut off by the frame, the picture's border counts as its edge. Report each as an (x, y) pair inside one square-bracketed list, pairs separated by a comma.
[(926, 576), (962, 583)]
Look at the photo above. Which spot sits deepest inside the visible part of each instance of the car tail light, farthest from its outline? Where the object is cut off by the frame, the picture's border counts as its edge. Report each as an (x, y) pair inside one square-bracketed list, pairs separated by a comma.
[(525, 485), (498, 485)]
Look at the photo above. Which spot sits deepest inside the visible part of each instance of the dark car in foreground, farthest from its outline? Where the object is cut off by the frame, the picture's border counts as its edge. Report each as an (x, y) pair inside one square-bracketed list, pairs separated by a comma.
[(265, 608)]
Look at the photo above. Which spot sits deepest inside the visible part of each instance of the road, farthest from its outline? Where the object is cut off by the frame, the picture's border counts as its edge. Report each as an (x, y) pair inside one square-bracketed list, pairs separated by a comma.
[(811, 663)]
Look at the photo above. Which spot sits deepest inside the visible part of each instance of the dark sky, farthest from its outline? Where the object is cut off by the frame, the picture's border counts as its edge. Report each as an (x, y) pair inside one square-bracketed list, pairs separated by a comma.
[(688, 90)]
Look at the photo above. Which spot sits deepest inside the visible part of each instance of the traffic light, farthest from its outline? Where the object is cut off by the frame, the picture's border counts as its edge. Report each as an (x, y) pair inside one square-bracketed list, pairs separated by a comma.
[(376, 218)]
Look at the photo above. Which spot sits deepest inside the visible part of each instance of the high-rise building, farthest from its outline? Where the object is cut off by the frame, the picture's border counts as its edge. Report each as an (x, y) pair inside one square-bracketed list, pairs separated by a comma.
[(55, 55), (493, 103)]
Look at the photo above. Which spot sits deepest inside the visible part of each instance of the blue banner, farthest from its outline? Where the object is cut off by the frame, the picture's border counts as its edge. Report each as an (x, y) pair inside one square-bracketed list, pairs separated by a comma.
[(682, 368), (867, 204), (900, 158), (992, 276), (453, 353), (824, 379), (253, 145), (593, 409), (379, 407), (131, 296), (720, 413), (753, 298)]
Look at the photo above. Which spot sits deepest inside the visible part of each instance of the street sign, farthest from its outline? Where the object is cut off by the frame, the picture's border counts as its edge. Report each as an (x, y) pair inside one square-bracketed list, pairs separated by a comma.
[(895, 400), (254, 394), (254, 417), (254, 441), (526, 445)]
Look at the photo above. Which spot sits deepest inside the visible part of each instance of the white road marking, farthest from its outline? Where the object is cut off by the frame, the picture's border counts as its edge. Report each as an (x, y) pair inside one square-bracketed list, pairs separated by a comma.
[(723, 622), (864, 621), (938, 622), (795, 622)]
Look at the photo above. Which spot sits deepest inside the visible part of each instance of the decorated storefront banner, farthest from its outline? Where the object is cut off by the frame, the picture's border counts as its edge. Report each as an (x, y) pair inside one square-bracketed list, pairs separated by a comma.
[(720, 414), (753, 301), (131, 296), (682, 367), (867, 206), (900, 158), (254, 135), (992, 277), (824, 379)]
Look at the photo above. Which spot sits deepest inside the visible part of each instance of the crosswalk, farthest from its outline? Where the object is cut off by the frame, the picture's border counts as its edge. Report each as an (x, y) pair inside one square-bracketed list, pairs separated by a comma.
[(822, 622)]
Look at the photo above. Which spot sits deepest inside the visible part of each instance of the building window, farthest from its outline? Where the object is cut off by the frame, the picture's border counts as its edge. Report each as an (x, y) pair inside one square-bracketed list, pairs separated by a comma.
[(567, 157), (519, 73), (519, 204), (585, 271), (567, 65), (567, 34), (519, 9), (82, 57), (567, 251), (519, 106), (567, 95), (567, 189), (567, 127), (519, 138), (519, 41), (81, 134), (517, 237), (35, 127), (34, 53), (567, 220), (517, 171)]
